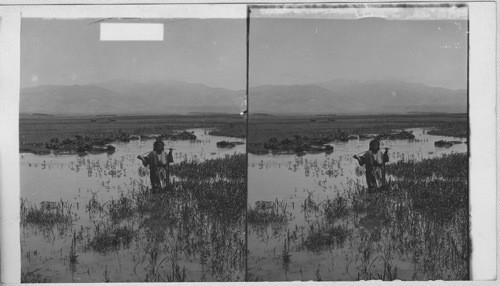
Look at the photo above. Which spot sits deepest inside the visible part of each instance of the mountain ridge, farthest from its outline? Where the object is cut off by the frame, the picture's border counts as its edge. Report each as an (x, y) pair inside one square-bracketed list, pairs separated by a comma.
[(172, 96)]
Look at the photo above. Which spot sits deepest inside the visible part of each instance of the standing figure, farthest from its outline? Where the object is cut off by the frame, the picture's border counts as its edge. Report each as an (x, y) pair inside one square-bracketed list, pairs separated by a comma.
[(374, 161), (158, 166)]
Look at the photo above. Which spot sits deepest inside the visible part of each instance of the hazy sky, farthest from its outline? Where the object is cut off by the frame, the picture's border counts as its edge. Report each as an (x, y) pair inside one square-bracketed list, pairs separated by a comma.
[(296, 51), (282, 51), (211, 52)]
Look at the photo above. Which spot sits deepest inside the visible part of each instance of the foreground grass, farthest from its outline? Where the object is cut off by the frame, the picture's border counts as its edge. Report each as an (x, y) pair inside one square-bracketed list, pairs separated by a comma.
[(420, 219), (230, 167), (195, 231)]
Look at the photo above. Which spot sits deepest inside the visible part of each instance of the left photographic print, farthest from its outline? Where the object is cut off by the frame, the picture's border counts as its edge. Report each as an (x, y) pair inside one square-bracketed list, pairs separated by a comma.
[(133, 162)]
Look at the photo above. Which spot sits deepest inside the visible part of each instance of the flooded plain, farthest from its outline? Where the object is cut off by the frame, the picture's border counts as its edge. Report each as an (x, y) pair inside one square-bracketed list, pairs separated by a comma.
[(93, 218), (310, 217)]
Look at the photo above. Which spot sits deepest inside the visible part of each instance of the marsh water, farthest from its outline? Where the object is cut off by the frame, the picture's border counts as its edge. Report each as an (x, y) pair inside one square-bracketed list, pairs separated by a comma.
[(295, 239), (93, 195), (113, 230)]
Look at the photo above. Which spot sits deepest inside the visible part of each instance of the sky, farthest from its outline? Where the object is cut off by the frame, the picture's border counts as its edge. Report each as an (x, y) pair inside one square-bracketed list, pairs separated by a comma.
[(67, 52), (301, 51), (282, 51)]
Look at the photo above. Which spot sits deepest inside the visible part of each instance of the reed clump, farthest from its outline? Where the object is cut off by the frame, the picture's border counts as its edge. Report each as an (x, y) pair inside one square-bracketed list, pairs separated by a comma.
[(48, 213), (121, 208), (267, 212), (323, 236), (107, 238)]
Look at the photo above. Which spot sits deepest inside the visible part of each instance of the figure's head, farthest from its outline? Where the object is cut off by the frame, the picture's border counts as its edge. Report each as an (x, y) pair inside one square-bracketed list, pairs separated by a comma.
[(374, 145), (158, 146)]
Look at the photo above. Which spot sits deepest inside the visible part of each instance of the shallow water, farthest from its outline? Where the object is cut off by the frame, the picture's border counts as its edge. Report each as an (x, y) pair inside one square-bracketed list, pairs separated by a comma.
[(296, 184), (77, 180), (294, 181)]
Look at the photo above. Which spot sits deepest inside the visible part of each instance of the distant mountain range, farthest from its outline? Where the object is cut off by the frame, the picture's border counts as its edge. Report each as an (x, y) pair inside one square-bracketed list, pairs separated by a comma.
[(129, 97), (177, 97), (346, 96)]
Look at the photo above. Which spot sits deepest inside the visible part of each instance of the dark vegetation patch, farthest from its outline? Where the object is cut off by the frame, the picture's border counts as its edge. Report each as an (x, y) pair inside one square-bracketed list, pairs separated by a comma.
[(452, 166), (452, 129), (33, 277), (324, 236), (237, 130), (121, 208), (108, 238), (403, 135), (261, 128), (446, 144), (273, 215), (95, 145), (225, 144), (36, 132), (335, 208), (267, 212), (279, 134), (300, 145), (48, 213), (231, 166), (439, 199), (184, 135)]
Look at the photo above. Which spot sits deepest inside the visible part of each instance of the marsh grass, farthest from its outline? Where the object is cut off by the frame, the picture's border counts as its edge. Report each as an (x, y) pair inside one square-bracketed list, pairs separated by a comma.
[(108, 238), (323, 236), (199, 219), (268, 212), (421, 218), (121, 208), (33, 277), (72, 252), (47, 214), (335, 208), (447, 167), (230, 167)]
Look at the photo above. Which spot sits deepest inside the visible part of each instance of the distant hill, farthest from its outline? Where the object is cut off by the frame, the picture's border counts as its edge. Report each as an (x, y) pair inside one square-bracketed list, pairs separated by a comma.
[(177, 97), (348, 96), (274, 99), (129, 97)]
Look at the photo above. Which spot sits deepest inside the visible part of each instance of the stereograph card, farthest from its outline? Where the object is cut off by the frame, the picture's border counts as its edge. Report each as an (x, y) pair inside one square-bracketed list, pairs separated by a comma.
[(248, 142)]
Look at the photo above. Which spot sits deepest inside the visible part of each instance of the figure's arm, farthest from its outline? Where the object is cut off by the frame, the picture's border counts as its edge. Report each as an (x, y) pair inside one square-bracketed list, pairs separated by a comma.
[(144, 160), (361, 160)]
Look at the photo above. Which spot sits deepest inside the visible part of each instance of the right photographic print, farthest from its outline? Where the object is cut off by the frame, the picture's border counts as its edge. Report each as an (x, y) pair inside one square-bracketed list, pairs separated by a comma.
[(358, 131)]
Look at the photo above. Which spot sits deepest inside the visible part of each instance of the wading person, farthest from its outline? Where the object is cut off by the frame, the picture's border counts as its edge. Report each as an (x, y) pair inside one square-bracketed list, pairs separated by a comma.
[(157, 160), (374, 161)]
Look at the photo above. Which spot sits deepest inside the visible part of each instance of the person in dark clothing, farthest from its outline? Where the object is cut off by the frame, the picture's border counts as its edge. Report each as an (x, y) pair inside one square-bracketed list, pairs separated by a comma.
[(374, 161), (158, 163)]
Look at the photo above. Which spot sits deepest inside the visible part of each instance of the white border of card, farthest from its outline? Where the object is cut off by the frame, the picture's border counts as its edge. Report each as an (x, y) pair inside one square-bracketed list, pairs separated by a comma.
[(482, 112)]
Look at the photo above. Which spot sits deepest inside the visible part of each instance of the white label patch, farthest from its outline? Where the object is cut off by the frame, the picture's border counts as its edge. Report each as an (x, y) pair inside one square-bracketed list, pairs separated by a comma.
[(131, 32)]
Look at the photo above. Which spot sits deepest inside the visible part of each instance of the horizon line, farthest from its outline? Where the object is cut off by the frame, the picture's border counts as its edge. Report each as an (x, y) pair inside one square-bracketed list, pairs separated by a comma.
[(242, 89)]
